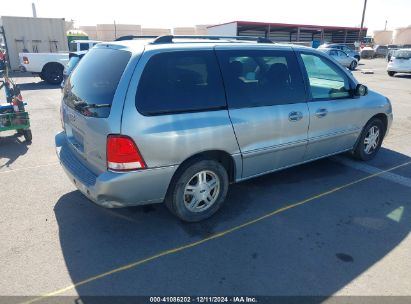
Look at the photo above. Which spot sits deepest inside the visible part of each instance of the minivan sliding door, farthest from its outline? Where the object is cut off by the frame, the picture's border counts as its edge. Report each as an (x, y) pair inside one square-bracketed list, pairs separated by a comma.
[(267, 106)]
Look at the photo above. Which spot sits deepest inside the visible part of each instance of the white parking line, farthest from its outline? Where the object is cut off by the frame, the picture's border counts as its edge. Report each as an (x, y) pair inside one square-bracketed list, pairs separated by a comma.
[(405, 181), (28, 168)]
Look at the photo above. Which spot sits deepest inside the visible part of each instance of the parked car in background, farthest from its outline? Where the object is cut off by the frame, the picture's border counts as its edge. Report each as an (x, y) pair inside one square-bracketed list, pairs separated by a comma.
[(380, 50), (393, 46), (390, 52), (367, 52), (177, 120), (367, 41), (400, 62), (342, 47), (74, 59), (342, 58), (49, 66)]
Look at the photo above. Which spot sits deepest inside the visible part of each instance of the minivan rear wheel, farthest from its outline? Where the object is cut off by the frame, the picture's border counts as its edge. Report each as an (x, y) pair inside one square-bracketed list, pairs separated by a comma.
[(370, 140), (198, 191), (390, 73)]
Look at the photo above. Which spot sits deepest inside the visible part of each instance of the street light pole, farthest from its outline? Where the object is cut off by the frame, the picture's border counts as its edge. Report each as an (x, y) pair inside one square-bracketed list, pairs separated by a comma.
[(362, 20)]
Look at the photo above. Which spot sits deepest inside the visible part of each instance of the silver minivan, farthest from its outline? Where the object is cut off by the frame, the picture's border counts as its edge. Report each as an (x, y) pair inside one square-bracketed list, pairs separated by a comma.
[(177, 119)]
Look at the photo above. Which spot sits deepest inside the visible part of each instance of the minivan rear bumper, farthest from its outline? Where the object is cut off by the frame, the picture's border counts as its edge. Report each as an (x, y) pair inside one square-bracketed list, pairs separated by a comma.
[(111, 189)]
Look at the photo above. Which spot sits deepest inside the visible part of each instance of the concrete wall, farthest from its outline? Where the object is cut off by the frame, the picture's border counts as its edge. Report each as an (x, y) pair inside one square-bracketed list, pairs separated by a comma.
[(38, 35), (402, 35), (155, 31), (229, 29), (184, 31), (107, 32), (383, 37), (201, 29), (91, 31)]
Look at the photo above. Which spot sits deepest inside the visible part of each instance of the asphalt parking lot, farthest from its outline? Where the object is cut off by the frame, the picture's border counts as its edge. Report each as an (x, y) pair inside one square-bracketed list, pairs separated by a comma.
[(332, 227)]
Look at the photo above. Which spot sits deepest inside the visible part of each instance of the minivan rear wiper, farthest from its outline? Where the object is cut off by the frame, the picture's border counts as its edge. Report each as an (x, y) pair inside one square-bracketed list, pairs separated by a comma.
[(98, 105), (85, 105)]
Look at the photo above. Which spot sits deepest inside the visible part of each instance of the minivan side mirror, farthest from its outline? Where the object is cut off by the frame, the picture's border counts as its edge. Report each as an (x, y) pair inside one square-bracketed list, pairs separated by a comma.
[(360, 90)]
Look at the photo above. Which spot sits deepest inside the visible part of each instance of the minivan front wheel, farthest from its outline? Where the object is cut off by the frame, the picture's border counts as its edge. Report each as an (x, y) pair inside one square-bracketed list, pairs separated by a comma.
[(199, 191), (370, 140)]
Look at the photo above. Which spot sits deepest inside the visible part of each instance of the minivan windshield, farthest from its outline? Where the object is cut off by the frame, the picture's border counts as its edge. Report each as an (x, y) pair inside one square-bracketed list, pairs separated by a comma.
[(91, 87)]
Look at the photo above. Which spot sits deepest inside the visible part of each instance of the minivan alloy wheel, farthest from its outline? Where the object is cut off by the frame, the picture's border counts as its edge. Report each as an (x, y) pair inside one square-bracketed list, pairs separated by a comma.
[(371, 140), (202, 190)]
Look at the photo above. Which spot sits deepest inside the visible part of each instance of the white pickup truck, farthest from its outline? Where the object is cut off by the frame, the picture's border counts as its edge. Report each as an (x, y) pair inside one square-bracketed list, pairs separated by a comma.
[(50, 66)]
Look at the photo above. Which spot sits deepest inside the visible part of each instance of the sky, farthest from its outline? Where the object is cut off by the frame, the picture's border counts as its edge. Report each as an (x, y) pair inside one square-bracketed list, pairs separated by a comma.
[(175, 13)]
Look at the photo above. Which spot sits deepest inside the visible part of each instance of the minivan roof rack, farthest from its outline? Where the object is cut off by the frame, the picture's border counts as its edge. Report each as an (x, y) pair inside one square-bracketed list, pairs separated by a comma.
[(169, 38), (131, 37)]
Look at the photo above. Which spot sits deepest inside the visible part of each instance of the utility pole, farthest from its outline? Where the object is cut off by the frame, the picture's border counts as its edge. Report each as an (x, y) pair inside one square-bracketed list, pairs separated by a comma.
[(362, 20), (33, 8), (115, 30), (385, 27)]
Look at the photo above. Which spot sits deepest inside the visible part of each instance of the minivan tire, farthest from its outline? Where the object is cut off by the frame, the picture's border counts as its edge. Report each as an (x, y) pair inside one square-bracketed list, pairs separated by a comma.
[(391, 73), (360, 149), (177, 197)]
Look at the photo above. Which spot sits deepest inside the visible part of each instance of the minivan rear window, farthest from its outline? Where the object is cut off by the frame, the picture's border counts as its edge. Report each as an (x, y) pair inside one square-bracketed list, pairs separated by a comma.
[(91, 87), (402, 54)]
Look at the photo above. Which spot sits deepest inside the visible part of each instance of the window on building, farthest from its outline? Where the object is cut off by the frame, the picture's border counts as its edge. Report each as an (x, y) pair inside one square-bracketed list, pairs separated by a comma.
[(84, 46)]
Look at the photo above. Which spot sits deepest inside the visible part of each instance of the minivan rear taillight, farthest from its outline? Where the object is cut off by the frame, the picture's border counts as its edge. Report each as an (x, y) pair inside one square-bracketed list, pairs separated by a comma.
[(123, 154)]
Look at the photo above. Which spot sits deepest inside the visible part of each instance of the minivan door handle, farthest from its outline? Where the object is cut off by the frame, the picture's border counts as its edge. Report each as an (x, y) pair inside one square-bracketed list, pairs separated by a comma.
[(321, 113), (295, 116)]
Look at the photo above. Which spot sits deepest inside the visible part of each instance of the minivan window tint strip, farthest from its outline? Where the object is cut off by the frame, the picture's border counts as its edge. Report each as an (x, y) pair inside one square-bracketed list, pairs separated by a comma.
[(166, 112)]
